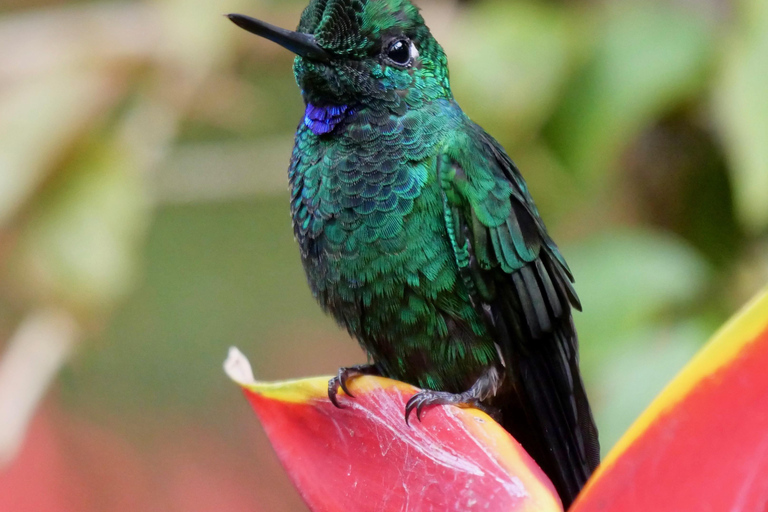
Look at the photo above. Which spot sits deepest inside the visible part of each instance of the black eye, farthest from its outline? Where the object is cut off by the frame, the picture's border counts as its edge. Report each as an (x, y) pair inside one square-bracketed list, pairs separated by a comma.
[(399, 52)]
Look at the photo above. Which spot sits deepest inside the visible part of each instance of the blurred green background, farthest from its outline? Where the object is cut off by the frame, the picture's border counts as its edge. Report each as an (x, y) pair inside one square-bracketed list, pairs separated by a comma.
[(144, 222)]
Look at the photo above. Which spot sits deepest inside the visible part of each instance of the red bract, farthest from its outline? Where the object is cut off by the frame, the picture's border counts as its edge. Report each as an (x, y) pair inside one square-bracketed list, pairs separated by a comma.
[(703, 443), (366, 458)]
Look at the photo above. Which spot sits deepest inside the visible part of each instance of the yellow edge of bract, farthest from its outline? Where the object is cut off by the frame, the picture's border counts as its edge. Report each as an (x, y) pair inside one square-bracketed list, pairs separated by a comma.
[(509, 454), (314, 388), (724, 346), (292, 391), (238, 368)]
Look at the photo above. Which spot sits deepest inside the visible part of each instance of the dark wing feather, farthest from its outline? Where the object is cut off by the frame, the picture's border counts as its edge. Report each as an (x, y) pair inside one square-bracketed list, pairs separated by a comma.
[(513, 270)]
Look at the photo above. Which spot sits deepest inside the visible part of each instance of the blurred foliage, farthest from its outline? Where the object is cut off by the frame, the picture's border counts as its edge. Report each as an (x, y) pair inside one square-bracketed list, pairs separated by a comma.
[(143, 148)]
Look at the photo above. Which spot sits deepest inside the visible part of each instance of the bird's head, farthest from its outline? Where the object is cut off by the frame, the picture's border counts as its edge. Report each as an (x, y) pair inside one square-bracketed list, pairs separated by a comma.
[(361, 51)]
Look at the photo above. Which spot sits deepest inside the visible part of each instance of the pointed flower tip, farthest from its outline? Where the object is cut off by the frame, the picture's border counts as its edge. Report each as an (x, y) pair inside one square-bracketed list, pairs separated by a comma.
[(238, 368)]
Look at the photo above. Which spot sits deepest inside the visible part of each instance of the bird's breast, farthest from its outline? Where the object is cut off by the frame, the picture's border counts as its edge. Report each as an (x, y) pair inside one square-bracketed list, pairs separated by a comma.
[(367, 206)]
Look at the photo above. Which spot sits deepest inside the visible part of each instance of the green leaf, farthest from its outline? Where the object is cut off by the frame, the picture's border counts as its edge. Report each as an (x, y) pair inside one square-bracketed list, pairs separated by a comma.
[(511, 64), (640, 365), (626, 279), (38, 121), (742, 113), (648, 58), (81, 244)]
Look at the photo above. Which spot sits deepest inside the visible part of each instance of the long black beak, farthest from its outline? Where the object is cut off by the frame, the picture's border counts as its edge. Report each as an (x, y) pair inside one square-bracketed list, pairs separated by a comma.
[(299, 43)]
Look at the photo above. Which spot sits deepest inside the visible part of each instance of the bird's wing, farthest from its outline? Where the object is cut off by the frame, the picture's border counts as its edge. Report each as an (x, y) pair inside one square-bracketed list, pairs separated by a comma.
[(515, 274), (497, 233)]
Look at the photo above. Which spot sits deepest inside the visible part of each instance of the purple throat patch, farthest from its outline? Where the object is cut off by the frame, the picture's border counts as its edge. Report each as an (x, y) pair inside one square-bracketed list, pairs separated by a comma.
[(322, 120)]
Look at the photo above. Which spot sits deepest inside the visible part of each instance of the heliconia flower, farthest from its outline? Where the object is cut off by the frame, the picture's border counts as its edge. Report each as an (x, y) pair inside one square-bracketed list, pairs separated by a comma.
[(365, 457), (703, 443)]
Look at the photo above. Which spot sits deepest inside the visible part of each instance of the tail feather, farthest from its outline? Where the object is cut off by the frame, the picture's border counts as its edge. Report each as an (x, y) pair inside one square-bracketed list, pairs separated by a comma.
[(549, 413)]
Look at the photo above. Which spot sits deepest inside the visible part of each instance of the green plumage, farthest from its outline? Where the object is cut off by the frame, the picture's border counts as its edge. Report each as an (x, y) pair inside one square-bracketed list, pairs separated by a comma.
[(418, 233), (369, 214)]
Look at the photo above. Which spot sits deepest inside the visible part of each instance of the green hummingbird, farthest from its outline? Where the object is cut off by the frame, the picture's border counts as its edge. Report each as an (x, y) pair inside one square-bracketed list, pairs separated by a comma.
[(418, 234)]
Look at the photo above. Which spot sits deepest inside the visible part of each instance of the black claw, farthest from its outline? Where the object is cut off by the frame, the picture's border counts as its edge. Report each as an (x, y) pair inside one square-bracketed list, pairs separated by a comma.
[(333, 391), (335, 402), (409, 408), (420, 401), (420, 408), (343, 378)]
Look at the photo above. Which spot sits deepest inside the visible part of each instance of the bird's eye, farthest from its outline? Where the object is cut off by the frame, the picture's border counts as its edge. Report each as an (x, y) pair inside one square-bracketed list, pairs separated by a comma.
[(402, 52)]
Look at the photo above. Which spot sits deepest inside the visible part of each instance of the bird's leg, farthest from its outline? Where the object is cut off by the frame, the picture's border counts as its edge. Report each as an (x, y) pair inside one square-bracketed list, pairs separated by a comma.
[(484, 387), (341, 379)]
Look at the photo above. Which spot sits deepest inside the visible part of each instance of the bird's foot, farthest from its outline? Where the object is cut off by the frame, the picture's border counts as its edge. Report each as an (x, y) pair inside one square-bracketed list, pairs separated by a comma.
[(485, 387), (341, 379)]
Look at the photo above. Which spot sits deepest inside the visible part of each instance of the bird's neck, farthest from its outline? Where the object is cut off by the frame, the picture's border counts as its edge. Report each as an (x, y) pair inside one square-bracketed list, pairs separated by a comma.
[(323, 119)]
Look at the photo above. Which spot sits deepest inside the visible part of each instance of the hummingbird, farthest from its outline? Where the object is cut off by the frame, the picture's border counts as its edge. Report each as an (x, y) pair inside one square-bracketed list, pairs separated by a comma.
[(418, 234)]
